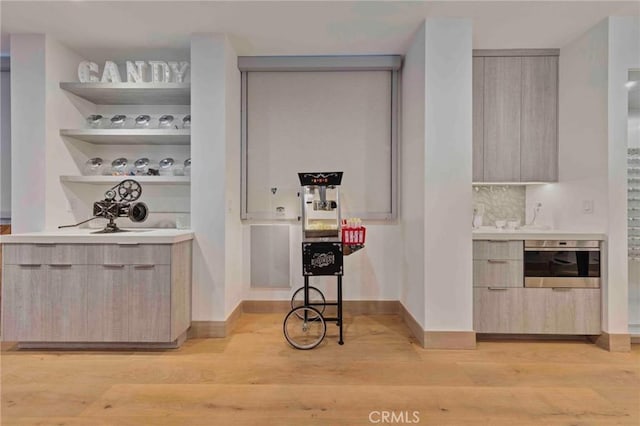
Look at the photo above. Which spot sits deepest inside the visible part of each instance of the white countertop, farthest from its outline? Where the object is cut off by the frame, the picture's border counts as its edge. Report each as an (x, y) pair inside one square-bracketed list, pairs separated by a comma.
[(492, 233), (85, 236)]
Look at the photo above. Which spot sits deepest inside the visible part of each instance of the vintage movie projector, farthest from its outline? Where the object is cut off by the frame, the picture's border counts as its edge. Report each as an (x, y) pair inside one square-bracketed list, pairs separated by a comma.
[(119, 201), (323, 249)]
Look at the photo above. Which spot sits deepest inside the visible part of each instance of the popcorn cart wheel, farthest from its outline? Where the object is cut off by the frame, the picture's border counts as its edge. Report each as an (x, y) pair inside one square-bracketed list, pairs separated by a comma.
[(304, 327), (316, 299)]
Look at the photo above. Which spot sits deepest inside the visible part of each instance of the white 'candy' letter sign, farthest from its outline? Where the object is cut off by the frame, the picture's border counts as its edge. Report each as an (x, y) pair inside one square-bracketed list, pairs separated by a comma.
[(110, 74), (135, 74), (88, 72)]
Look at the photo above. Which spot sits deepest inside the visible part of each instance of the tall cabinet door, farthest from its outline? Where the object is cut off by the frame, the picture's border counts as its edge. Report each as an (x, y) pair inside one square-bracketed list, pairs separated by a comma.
[(108, 304), (478, 119), (501, 109), (150, 303), (539, 135), (66, 304)]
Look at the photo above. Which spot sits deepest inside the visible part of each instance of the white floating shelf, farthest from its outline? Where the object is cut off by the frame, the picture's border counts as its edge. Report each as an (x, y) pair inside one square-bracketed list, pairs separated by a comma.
[(146, 180), (130, 136), (132, 93)]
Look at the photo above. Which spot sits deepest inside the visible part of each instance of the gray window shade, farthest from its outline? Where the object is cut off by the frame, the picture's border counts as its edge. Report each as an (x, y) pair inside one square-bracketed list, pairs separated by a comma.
[(319, 121)]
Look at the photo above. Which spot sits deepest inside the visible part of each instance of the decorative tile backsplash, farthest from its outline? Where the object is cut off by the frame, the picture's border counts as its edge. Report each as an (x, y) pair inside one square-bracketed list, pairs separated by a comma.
[(500, 202)]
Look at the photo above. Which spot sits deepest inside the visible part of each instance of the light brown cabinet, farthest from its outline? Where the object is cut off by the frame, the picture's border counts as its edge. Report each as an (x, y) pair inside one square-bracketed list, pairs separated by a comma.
[(65, 290), (149, 303), (497, 273), (539, 119), (562, 310), (108, 303), (498, 310), (537, 310), (25, 317), (501, 106), (515, 117), (478, 119), (498, 250), (501, 303), (128, 293), (44, 302)]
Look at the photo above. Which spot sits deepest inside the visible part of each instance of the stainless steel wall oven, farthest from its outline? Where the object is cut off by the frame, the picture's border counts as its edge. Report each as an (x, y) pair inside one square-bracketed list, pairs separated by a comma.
[(560, 263)]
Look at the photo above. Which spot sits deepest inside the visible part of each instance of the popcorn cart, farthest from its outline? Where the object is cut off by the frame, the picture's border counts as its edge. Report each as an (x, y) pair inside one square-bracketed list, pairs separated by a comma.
[(326, 239)]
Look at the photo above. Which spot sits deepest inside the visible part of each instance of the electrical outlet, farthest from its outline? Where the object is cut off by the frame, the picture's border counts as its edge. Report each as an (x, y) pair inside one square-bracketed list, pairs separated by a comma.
[(587, 207)]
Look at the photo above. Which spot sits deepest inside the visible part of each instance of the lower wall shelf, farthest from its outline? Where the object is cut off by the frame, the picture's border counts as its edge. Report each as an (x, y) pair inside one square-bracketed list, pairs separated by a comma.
[(130, 136)]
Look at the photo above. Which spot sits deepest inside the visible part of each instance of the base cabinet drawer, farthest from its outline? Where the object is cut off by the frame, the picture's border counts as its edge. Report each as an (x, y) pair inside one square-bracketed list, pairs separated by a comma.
[(131, 254), (498, 310), (497, 273), (41, 254), (537, 310), (498, 249), (562, 311)]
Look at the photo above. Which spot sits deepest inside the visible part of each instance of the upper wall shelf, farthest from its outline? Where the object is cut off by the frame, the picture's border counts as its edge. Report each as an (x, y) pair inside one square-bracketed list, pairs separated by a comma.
[(147, 180), (130, 136), (132, 93)]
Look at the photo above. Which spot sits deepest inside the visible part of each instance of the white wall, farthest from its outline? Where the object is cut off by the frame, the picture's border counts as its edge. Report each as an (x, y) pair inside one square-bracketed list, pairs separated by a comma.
[(373, 273), (412, 200), (28, 132), (582, 133), (208, 177), (448, 294), (39, 110), (593, 131), (233, 225), (5, 146), (61, 64), (624, 54)]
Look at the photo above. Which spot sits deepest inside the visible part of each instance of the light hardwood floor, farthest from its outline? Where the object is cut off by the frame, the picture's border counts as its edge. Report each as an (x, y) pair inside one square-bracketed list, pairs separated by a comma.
[(254, 378)]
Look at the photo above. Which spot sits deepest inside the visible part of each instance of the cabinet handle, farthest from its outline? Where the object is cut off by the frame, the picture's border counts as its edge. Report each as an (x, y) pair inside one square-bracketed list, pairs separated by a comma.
[(30, 265), (128, 244), (561, 289), (60, 265), (496, 261), (498, 241), (498, 289), (113, 266), (45, 245), (144, 266)]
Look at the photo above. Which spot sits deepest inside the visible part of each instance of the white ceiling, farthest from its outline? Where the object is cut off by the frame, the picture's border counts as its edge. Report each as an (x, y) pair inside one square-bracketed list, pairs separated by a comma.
[(301, 27)]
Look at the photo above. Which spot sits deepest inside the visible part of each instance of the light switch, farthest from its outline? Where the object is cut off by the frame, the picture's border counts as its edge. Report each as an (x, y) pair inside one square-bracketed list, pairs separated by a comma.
[(587, 207)]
